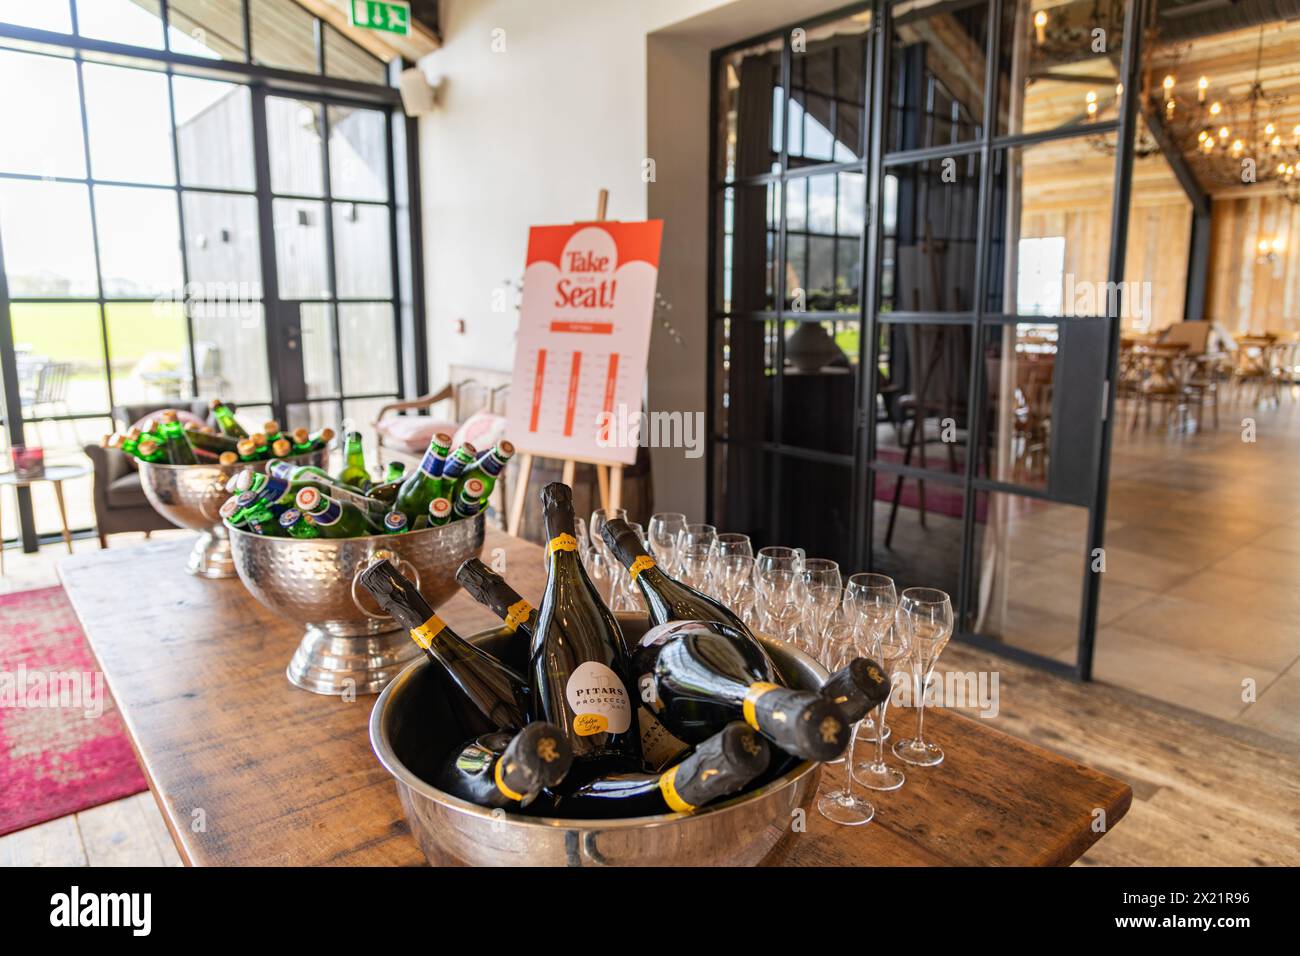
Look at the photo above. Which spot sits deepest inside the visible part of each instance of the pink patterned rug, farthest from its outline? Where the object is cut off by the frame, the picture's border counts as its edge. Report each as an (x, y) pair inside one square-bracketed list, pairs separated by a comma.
[(62, 744)]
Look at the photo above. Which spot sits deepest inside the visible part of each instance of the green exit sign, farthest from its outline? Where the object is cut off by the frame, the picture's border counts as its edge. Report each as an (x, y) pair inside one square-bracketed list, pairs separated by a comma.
[(393, 16)]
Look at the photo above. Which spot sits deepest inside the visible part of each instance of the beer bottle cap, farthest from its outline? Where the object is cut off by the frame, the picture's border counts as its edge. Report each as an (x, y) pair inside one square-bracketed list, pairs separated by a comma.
[(169, 415), (271, 426), (301, 436), (308, 499), (228, 509), (281, 448), (439, 507), (326, 435), (395, 521), (473, 488), (228, 458), (290, 518), (247, 447)]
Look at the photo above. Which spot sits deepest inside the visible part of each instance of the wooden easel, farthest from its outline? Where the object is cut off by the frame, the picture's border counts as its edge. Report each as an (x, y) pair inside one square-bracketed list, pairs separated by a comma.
[(609, 475)]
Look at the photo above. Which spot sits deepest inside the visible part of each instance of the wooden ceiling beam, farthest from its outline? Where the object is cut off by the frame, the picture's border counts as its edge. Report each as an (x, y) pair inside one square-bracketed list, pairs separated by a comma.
[(420, 42)]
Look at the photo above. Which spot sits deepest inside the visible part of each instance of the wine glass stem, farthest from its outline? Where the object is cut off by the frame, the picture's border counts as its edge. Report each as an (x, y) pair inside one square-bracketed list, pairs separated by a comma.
[(880, 734), (922, 681), (848, 764)]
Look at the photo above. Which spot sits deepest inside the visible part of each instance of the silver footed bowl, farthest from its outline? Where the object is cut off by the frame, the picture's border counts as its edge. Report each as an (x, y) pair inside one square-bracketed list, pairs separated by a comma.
[(408, 740), (349, 645), (189, 496)]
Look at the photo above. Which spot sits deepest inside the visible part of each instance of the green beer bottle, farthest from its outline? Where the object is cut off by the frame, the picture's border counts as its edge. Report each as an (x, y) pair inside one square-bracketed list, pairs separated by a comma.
[(271, 428), (471, 500), (332, 519), (421, 486), (304, 441), (459, 462), (248, 450), (293, 522), (489, 466), (396, 523), (281, 448), (151, 450), (176, 444), (226, 420), (354, 464), (439, 512), (396, 472), (206, 439)]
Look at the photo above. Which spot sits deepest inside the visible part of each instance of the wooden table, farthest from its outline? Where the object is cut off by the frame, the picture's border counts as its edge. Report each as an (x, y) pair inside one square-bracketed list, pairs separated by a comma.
[(248, 770)]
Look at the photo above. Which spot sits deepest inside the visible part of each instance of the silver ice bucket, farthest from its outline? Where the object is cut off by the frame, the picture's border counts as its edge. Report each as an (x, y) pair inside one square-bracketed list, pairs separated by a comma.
[(409, 737), (348, 644), (189, 495)]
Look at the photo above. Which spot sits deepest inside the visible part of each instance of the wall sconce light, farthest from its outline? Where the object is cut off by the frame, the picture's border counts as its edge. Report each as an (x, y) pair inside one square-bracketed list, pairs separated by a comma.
[(1269, 250)]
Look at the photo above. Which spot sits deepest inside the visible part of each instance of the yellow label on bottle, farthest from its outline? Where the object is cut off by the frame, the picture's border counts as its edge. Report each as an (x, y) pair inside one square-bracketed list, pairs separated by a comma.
[(426, 632), (756, 690), (584, 725), (562, 542), (642, 563), (668, 787), (517, 614), (501, 784)]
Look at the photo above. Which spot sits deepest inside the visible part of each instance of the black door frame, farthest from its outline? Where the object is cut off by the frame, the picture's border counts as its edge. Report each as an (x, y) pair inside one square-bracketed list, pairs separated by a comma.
[(865, 468)]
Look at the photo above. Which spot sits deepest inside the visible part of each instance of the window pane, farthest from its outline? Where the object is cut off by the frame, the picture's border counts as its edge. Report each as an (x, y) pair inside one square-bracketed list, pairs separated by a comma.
[(133, 22), (358, 154), (300, 248), (912, 553), (130, 124), (819, 386), (207, 28), (743, 486), (754, 218), (363, 265), (922, 377), (56, 17), (824, 222), (929, 220), (147, 343), (1055, 254), (1029, 561), (826, 530), (60, 351), (293, 132), (139, 241), (368, 344), (827, 84), (221, 243), (230, 352), (1047, 71), (936, 82), (1020, 364), (284, 35), (346, 60), (318, 344), (42, 127), (48, 242), (748, 379), (752, 102), (214, 131)]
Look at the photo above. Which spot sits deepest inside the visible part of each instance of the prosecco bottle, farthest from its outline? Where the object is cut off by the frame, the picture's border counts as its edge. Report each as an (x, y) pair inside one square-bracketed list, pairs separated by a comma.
[(717, 768), (667, 599), (484, 694), (697, 676), (857, 687), (491, 590), (499, 771), (577, 655), (422, 485)]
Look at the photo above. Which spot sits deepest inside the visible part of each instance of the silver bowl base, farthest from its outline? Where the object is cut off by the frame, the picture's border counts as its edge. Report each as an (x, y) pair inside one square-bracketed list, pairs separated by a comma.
[(332, 665), (211, 557)]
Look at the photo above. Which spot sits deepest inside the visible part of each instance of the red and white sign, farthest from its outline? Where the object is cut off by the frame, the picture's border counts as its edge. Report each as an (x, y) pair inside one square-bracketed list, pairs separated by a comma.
[(584, 337)]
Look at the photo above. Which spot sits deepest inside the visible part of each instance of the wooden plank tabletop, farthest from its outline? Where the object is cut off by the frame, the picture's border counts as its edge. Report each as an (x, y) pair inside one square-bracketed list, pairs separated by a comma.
[(249, 770)]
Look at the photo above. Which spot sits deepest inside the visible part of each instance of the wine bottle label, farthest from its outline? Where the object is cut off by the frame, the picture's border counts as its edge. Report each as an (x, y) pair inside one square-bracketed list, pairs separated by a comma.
[(668, 787), (501, 784), (642, 563), (517, 614), (426, 632), (562, 542), (599, 700), (756, 690), (658, 745)]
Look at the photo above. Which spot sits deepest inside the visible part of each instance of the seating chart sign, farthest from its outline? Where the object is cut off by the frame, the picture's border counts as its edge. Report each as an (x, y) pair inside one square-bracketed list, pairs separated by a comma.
[(584, 338)]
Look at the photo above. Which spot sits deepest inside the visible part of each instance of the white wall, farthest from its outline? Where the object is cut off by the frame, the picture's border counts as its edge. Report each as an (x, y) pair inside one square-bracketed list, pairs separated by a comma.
[(583, 93)]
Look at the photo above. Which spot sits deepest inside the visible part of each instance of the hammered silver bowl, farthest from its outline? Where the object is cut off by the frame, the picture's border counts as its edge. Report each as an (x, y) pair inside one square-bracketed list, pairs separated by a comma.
[(348, 645), (409, 733), (189, 495)]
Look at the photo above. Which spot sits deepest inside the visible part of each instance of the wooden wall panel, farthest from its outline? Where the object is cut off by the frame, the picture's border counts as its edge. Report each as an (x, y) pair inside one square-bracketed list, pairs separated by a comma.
[(1246, 295)]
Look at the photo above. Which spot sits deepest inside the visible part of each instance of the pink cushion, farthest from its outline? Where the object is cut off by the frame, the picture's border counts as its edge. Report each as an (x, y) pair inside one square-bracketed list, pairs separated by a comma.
[(482, 430), (411, 433)]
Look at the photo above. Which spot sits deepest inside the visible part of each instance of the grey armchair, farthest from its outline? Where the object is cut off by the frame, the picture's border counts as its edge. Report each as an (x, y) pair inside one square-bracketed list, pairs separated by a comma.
[(120, 504)]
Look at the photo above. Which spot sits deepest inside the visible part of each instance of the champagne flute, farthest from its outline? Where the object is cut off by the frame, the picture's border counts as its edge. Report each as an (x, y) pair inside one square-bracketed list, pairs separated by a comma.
[(822, 603), (598, 519), (664, 528), (891, 651), (926, 618), (843, 806), (776, 558), (734, 573), (872, 600), (624, 595), (781, 604)]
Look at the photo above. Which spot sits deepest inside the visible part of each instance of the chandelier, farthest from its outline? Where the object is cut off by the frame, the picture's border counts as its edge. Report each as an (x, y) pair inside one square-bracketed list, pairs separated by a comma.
[(1228, 140)]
